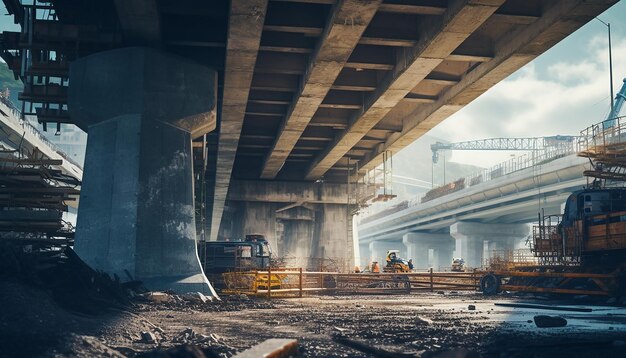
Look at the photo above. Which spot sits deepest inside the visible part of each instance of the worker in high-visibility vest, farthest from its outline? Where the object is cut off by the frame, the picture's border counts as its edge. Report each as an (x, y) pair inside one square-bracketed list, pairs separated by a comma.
[(375, 267)]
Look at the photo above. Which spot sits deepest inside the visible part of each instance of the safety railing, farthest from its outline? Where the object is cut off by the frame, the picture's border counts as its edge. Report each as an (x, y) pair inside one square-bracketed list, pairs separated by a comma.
[(600, 136), (286, 283), (508, 167)]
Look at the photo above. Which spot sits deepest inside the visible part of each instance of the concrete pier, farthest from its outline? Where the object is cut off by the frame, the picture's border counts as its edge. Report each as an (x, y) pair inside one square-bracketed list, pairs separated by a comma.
[(309, 224), (475, 242), (141, 108), (429, 250)]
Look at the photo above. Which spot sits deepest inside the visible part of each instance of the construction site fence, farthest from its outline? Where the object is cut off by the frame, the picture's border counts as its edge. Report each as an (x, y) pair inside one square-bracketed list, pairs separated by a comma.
[(297, 282)]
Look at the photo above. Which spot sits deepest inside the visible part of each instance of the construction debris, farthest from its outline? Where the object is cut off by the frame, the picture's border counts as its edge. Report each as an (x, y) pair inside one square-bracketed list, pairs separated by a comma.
[(543, 321), (543, 307), (368, 349), (271, 348), (148, 337), (33, 197)]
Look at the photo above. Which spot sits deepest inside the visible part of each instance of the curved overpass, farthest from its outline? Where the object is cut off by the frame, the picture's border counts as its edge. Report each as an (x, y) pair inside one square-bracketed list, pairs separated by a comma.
[(510, 199)]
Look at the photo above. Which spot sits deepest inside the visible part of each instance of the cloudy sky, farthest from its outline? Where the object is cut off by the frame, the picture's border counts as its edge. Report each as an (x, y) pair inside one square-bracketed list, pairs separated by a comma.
[(561, 92)]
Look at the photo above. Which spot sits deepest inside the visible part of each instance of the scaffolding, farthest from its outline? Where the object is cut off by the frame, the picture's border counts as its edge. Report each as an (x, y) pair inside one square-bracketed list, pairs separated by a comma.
[(605, 146)]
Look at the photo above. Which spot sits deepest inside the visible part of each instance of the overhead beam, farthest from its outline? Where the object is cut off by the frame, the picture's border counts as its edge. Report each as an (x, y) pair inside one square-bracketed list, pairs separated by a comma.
[(347, 22), (369, 66), (412, 9), (439, 39), (512, 52), (438, 10), (139, 20), (245, 26), (310, 31), (468, 58), (379, 41)]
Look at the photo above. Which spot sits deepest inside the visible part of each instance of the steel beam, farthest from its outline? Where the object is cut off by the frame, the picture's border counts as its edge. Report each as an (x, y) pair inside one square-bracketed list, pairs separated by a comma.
[(438, 41), (244, 37), (346, 24)]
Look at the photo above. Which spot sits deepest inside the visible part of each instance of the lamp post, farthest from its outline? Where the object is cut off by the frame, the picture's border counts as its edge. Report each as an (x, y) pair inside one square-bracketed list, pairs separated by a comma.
[(608, 26)]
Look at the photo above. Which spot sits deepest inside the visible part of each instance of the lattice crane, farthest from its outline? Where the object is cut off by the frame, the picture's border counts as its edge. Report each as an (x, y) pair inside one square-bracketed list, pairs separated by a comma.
[(526, 144)]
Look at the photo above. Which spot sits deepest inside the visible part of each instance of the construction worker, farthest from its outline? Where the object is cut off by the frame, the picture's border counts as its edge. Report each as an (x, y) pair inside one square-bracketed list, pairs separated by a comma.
[(375, 267)]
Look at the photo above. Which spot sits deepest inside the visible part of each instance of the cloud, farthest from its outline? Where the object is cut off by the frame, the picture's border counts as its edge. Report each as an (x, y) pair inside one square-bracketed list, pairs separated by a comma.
[(562, 97)]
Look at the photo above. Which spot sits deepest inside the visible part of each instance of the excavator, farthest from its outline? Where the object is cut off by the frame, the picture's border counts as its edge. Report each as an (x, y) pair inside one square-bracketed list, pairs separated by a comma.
[(395, 264)]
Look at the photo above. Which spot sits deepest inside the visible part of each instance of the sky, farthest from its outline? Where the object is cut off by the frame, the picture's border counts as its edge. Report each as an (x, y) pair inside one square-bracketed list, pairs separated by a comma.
[(562, 92)]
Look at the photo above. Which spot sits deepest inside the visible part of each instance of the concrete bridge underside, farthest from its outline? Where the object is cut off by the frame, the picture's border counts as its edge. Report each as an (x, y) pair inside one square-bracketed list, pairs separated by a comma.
[(304, 91)]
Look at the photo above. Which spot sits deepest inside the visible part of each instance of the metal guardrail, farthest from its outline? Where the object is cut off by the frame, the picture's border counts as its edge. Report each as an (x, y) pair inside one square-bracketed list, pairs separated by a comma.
[(508, 167), (18, 119), (601, 136)]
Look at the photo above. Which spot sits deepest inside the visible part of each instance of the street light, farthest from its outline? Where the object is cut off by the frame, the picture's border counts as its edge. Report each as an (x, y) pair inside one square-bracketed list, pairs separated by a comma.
[(608, 26)]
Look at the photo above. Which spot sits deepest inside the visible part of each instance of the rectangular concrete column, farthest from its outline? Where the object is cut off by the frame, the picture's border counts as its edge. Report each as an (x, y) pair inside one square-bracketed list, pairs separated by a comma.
[(420, 245), (471, 238), (469, 249), (417, 250)]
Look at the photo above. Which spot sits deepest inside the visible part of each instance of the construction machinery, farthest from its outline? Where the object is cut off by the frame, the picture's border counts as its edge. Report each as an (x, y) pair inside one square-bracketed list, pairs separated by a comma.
[(252, 253), (523, 144), (458, 265), (395, 264), (582, 251)]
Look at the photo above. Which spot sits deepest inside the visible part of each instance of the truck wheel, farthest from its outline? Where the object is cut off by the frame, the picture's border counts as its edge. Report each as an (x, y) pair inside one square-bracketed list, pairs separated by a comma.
[(489, 284)]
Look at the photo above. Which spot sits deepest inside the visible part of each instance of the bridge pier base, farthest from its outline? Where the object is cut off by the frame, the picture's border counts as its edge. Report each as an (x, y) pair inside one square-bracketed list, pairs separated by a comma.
[(476, 242), (429, 250), (141, 108), (307, 224)]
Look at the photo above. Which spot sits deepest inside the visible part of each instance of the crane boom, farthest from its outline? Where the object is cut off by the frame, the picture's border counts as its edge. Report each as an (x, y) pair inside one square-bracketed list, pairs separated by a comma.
[(528, 144), (620, 98)]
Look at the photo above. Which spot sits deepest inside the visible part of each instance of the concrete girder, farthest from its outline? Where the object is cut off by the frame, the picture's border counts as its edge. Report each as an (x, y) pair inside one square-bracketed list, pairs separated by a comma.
[(511, 53), (348, 21), (139, 20), (288, 192), (437, 42), (244, 37)]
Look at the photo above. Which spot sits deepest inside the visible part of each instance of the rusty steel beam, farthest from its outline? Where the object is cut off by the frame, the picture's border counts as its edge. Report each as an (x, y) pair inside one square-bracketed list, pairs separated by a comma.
[(346, 24)]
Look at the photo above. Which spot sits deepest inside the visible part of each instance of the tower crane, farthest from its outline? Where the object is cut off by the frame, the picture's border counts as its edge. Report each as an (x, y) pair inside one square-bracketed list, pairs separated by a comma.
[(526, 144)]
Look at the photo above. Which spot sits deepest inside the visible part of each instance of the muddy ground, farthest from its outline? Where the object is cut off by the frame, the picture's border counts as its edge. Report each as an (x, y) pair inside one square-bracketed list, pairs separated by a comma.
[(33, 324)]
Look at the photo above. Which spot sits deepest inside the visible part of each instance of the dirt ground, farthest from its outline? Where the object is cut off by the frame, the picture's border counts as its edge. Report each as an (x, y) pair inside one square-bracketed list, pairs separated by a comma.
[(33, 324)]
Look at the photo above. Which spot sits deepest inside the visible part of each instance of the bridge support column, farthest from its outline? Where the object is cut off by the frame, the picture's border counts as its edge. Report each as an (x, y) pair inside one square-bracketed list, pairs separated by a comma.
[(476, 241), (307, 224), (428, 250), (378, 251), (141, 108)]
